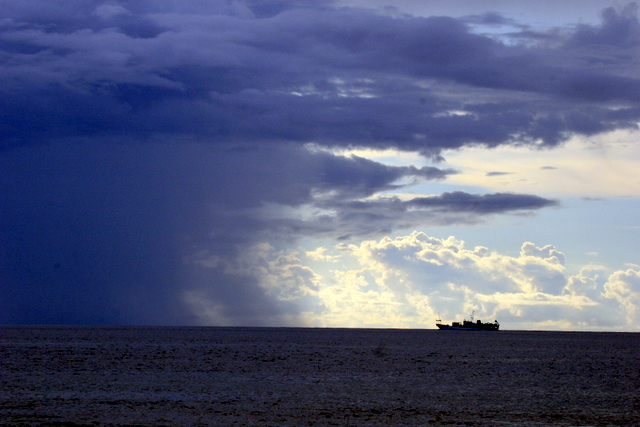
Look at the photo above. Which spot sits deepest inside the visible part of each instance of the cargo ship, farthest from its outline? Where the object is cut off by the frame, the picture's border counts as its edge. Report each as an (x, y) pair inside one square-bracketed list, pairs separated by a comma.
[(469, 325)]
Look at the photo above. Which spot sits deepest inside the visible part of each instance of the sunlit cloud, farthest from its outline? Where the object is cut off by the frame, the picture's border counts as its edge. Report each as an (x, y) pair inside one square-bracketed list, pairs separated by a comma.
[(406, 281)]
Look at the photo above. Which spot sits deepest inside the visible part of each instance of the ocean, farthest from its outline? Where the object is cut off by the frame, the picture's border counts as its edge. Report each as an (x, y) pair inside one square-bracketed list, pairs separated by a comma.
[(180, 376)]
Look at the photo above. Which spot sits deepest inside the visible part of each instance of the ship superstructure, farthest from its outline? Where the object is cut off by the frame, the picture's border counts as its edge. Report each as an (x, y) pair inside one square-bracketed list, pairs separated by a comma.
[(469, 325)]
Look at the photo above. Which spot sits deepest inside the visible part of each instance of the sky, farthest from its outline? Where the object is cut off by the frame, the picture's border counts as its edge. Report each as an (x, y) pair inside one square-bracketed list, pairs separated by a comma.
[(296, 163)]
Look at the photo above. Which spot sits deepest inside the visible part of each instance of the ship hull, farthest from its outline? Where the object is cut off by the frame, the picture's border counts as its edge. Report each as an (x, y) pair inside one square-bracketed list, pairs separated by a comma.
[(468, 325), (462, 328)]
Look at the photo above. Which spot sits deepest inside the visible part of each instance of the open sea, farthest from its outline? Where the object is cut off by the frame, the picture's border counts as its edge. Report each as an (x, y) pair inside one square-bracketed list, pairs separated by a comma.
[(178, 376)]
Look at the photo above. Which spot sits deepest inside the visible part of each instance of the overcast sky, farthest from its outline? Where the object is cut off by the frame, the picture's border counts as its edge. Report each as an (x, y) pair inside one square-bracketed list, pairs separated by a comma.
[(314, 163)]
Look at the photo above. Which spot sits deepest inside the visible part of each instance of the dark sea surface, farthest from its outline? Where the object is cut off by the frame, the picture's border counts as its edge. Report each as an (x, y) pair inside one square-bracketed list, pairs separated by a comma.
[(316, 377)]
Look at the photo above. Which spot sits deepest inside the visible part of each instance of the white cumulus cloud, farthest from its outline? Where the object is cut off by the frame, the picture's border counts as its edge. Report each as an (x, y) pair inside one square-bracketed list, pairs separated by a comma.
[(410, 280)]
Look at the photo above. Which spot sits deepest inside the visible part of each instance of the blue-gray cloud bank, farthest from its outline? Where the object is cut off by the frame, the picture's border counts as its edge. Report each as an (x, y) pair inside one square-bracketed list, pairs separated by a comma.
[(335, 76), (135, 136)]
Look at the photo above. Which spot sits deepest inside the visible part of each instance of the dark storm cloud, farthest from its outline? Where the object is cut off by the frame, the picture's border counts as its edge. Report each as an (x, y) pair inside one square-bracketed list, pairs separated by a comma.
[(364, 218), (147, 146), (618, 29), (458, 201), (357, 177), (114, 231), (273, 71)]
